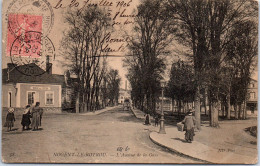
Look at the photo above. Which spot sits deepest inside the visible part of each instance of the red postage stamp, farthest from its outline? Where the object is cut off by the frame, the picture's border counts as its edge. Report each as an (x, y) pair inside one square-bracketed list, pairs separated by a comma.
[(24, 35)]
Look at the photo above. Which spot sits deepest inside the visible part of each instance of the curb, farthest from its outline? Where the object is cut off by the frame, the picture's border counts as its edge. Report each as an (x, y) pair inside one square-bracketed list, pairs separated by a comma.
[(135, 114), (142, 118), (97, 112), (179, 153), (106, 110)]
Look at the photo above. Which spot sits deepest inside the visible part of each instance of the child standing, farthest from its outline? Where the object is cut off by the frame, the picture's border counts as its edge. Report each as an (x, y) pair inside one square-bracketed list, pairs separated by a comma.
[(10, 119)]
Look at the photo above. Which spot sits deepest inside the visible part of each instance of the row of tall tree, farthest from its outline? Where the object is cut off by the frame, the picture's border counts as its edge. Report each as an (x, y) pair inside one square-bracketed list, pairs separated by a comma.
[(180, 87), (221, 39), (149, 40), (218, 32), (82, 45)]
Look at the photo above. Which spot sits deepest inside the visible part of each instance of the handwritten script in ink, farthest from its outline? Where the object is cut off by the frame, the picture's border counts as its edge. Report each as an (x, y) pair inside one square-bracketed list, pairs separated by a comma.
[(121, 13)]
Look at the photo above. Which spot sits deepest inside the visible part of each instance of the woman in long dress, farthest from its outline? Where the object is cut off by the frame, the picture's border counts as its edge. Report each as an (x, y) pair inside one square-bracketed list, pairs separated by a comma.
[(36, 116), (147, 119), (189, 124), (26, 118)]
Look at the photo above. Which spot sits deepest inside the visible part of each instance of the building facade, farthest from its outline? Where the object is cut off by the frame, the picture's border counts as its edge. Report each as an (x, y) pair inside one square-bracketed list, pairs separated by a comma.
[(123, 94), (19, 90), (252, 97)]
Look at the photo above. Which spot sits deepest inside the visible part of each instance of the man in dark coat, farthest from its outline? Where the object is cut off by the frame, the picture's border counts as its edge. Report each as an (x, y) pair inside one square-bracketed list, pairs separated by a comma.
[(189, 124)]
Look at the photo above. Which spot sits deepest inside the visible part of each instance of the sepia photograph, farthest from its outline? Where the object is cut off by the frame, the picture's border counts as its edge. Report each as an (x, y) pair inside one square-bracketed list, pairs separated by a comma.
[(130, 81)]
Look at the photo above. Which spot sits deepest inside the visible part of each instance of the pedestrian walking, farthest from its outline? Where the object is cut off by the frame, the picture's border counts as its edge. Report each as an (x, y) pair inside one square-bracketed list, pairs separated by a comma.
[(26, 118), (9, 123), (189, 124), (156, 120), (147, 119), (36, 116)]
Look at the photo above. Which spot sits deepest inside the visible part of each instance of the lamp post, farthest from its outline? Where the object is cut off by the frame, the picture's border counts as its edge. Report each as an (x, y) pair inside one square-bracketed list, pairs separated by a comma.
[(162, 128)]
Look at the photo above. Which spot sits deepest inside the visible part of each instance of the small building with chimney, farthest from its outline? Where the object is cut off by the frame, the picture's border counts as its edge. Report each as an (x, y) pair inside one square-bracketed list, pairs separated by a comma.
[(124, 94), (19, 90)]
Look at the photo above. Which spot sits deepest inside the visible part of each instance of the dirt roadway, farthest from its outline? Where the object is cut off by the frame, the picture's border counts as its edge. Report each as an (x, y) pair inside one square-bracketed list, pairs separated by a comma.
[(115, 136)]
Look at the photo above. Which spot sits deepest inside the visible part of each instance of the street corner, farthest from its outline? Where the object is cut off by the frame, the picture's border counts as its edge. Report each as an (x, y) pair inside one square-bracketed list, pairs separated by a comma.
[(163, 140), (174, 143)]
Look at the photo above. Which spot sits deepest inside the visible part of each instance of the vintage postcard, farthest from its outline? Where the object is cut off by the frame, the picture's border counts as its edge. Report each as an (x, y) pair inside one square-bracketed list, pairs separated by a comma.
[(130, 81)]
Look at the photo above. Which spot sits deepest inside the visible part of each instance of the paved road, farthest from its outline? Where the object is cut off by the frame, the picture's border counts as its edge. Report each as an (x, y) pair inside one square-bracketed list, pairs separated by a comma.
[(113, 136)]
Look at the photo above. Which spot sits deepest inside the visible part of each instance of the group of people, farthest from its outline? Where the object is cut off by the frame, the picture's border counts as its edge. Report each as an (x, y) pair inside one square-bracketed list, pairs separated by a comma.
[(32, 115), (148, 119)]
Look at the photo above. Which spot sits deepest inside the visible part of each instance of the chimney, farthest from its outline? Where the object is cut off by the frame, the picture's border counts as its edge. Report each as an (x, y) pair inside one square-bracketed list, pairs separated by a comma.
[(48, 65), (126, 85), (10, 67)]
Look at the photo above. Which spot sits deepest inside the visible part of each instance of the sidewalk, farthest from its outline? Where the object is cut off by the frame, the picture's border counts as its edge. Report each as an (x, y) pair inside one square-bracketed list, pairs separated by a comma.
[(227, 145), (99, 111), (138, 114)]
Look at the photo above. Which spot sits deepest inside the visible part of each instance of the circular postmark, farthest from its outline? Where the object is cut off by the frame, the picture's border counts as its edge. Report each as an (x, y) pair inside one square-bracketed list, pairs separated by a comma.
[(19, 20), (31, 52)]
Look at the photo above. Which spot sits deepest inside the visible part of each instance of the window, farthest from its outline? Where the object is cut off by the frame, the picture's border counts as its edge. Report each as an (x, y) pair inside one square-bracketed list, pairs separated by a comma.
[(31, 97), (49, 97), (252, 95), (252, 85)]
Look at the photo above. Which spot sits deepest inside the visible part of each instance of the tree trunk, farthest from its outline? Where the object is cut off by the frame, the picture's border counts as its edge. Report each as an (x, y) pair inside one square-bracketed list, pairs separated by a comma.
[(85, 109), (172, 105), (154, 105), (244, 106), (97, 99), (214, 114), (179, 109), (239, 110), (223, 110), (243, 111), (182, 106), (77, 103), (236, 112), (197, 108), (210, 113), (204, 103), (228, 106)]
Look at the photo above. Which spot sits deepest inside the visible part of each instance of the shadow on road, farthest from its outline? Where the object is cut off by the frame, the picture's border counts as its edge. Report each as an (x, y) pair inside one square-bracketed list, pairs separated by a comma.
[(39, 129), (14, 129), (179, 139), (129, 118)]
